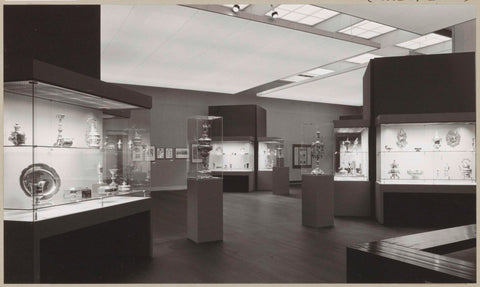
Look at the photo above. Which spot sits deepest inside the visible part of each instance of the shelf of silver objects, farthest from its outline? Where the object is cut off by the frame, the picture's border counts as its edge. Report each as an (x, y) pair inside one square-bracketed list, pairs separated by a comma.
[(45, 211)]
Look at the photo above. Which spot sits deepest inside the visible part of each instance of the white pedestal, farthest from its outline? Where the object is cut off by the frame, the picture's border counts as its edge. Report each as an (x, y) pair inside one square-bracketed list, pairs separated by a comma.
[(204, 209), (317, 200)]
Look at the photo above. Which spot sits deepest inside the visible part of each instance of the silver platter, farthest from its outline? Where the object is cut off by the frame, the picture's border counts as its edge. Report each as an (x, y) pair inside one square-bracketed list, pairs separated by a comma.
[(453, 138), (35, 173)]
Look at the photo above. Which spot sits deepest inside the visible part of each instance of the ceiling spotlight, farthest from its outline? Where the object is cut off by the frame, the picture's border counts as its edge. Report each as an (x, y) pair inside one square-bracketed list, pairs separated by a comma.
[(274, 14), (236, 8)]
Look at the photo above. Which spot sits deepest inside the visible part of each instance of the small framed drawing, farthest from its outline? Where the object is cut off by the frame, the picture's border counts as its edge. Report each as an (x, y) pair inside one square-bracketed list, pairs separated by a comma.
[(302, 155), (137, 153), (181, 153), (160, 153), (149, 153), (169, 152), (194, 153)]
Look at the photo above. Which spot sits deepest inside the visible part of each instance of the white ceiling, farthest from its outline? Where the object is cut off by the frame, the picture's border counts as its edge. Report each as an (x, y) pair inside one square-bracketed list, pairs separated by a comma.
[(343, 89), (420, 19), (186, 48)]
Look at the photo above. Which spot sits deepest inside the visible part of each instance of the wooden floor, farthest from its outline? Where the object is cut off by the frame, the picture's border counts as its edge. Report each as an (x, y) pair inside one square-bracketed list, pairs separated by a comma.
[(264, 242)]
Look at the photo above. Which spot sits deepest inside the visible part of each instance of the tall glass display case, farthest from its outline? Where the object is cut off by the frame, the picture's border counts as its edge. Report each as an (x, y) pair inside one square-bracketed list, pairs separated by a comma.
[(317, 176), (351, 154), (351, 166), (66, 151), (426, 153), (205, 156), (270, 153)]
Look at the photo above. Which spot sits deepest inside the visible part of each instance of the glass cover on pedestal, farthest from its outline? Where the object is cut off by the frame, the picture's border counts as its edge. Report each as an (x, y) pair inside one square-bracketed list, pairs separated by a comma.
[(313, 155), (270, 154), (430, 153), (351, 154), (204, 156), (66, 152)]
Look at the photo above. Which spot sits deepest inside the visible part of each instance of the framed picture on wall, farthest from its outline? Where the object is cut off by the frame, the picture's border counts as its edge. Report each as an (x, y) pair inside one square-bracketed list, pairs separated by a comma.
[(137, 153), (149, 153), (302, 156), (195, 156), (169, 152), (181, 153), (160, 153)]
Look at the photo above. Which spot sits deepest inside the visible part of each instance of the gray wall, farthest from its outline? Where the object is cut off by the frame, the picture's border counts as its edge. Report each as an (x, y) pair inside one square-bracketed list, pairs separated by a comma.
[(285, 118), (464, 37)]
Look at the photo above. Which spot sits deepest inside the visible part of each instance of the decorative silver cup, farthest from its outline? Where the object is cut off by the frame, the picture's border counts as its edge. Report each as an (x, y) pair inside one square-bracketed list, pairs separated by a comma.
[(204, 148), (318, 151)]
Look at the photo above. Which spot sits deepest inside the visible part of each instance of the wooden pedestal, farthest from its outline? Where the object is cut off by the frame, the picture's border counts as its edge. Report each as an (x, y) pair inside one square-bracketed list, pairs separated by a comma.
[(205, 210), (281, 181), (317, 200)]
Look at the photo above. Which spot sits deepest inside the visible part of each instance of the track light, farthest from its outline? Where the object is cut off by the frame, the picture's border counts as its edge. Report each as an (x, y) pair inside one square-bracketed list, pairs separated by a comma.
[(274, 14), (236, 8)]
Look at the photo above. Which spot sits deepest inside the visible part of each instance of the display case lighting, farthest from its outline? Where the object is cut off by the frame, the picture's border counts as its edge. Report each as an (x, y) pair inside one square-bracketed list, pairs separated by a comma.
[(423, 41)]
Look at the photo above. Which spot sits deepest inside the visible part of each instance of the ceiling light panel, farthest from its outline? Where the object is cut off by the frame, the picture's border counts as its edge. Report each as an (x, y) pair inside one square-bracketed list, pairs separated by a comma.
[(367, 29), (362, 59), (342, 89), (297, 78), (318, 72), (184, 48), (304, 14), (424, 41)]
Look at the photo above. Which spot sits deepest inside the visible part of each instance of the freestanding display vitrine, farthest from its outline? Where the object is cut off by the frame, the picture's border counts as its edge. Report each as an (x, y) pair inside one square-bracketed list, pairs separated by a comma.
[(351, 157), (317, 178), (204, 179), (271, 158), (76, 154), (429, 156)]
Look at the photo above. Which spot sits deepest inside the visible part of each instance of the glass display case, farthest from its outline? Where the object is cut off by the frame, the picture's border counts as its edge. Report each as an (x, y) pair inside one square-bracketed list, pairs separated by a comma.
[(67, 151), (312, 155), (206, 155), (426, 153), (238, 154), (351, 154), (270, 153)]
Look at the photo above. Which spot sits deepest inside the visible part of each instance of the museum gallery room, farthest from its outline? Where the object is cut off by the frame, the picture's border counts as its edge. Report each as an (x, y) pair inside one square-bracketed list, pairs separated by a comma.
[(235, 143)]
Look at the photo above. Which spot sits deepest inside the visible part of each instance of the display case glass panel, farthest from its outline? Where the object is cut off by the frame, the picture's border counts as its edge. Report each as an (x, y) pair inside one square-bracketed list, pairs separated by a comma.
[(238, 155), (313, 155), (351, 154), (56, 151), (204, 156), (270, 154), (426, 153)]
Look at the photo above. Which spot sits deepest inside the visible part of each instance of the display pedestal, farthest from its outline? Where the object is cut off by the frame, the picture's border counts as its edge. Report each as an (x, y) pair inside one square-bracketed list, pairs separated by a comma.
[(264, 179), (205, 209), (317, 200), (281, 181)]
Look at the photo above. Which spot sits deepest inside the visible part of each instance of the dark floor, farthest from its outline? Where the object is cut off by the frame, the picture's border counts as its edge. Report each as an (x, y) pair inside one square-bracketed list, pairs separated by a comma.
[(264, 242)]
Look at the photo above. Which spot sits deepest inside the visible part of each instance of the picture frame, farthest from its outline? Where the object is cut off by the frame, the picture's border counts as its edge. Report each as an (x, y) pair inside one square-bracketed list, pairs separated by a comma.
[(169, 153), (137, 153), (195, 157), (181, 153), (301, 156), (160, 154), (149, 153)]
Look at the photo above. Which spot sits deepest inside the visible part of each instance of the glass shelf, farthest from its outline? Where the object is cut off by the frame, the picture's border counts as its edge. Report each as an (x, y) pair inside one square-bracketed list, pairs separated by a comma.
[(52, 147)]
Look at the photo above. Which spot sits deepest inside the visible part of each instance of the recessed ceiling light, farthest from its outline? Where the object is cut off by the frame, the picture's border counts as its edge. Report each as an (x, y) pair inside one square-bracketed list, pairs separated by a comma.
[(367, 29), (304, 14), (424, 41), (362, 59), (240, 6)]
